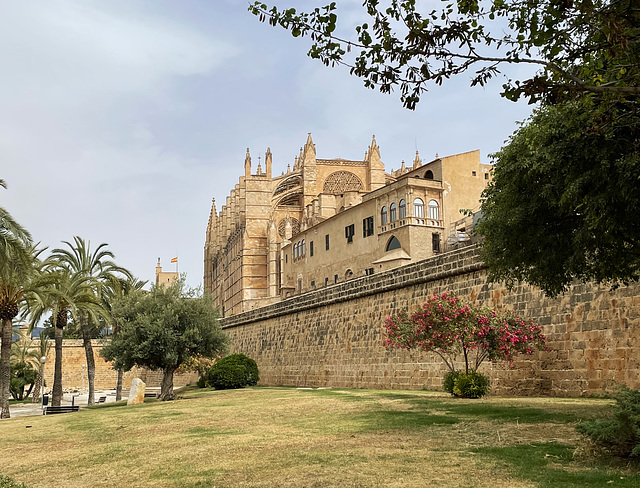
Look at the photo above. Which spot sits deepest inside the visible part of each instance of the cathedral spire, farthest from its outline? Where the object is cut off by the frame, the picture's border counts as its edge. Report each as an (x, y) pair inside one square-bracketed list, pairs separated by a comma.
[(416, 162), (247, 164), (268, 162)]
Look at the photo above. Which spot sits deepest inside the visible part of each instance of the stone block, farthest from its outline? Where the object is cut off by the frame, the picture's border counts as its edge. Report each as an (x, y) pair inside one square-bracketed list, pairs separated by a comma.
[(136, 393)]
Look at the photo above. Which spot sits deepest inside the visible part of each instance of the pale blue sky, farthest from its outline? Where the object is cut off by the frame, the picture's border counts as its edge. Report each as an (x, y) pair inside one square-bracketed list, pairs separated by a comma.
[(121, 120)]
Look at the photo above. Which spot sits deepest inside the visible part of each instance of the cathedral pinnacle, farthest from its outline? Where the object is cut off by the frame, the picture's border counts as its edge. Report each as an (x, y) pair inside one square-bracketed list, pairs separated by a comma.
[(247, 164)]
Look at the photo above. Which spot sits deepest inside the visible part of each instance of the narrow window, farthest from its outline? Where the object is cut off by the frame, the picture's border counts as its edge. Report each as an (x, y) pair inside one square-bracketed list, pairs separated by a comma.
[(367, 227), (313, 284), (311, 248), (473, 173), (418, 208), (433, 210), (326, 242), (303, 246), (326, 282), (349, 232), (335, 278), (435, 242), (403, 209), (392, 212), (383, 216), (486, 176)]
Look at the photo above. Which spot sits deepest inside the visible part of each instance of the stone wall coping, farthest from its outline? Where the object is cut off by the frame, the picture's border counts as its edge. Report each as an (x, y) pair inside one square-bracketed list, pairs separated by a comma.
[(448, 264)]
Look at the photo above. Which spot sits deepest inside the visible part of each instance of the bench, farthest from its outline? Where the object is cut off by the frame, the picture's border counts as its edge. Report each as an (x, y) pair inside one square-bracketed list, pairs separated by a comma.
[(150, 395), (61, 409), (102, 399)]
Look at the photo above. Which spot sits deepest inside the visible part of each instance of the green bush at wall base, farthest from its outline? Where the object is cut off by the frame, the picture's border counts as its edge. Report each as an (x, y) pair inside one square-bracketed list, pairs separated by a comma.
[(620, 434), (234, 371), (449, 381), (466, 385)]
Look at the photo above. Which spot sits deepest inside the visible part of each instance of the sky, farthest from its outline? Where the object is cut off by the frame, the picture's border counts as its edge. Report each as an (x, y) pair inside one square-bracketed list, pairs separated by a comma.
[(120, 120)]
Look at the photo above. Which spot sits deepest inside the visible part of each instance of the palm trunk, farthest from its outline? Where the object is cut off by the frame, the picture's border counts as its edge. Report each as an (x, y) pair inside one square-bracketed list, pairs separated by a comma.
[(56, 397), (119, 374), (35, 398), (5, 367), (166, 390), (88, 351)]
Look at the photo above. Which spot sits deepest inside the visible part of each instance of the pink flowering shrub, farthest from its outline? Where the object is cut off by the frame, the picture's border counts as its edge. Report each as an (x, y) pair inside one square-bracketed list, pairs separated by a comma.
[(450, 328)]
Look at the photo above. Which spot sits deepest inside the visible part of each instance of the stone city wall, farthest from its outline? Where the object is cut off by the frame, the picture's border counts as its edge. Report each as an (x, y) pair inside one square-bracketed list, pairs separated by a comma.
[(333, 337), (74, 375)]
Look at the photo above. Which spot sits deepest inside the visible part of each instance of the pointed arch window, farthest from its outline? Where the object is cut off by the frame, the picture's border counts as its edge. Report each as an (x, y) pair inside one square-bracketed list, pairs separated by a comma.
[(393, 243), (383, 216), (433, 210), (418, 208), (403, 209), (392, 212)]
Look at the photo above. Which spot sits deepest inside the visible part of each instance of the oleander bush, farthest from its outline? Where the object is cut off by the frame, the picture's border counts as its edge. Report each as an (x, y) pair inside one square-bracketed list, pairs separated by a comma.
[(457, 331), (619, 434), (234, 371)]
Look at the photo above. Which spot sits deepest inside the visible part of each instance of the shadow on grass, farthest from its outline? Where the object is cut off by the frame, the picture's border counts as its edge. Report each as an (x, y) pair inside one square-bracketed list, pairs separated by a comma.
[(551, 465), (383, 420)]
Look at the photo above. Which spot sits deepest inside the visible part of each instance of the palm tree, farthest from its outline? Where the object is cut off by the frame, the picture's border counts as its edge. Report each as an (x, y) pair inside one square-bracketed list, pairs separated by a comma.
[(66, 295), (102, 273), (24, 363), (14, 239), (19, 280), (44, 346)]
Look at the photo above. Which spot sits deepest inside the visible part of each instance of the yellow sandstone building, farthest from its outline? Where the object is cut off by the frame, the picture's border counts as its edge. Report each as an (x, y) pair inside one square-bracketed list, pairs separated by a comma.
[(330, 220)]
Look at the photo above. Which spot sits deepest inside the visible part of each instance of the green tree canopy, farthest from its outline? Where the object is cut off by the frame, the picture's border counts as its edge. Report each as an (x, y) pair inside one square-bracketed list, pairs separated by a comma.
[(565, 198), (163, 328), (578, 46)]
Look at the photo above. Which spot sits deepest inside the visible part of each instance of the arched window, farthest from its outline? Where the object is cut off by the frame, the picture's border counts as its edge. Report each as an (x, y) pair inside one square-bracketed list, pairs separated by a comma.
[(304, 248), (418, 208), (403, 209), (428, 175), (392, 212), (433, 210), (295, 251), (393, 243), (383, 216)]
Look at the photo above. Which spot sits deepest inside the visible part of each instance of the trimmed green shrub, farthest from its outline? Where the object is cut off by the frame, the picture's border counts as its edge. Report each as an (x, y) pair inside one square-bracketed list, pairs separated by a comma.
[(471, 385), (449, 381), (234, 371), (620, 434), (6, 482)]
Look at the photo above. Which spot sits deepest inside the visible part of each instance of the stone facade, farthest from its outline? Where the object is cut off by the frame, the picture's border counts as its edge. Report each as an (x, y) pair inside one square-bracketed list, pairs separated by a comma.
[(333, 336), (327, 221)]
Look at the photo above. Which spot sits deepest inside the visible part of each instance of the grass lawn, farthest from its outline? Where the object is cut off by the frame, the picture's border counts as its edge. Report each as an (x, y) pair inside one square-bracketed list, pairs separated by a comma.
[(285, 437)]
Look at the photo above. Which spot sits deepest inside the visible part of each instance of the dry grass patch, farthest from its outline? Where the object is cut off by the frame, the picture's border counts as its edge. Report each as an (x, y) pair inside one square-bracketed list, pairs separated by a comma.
[(292, 438)]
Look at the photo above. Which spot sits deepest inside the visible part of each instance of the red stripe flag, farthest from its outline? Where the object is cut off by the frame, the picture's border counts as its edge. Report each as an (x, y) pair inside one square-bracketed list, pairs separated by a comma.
[(174, 260)]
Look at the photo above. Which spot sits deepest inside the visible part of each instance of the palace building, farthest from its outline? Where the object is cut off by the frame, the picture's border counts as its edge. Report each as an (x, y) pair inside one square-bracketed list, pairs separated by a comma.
[(330, 220)]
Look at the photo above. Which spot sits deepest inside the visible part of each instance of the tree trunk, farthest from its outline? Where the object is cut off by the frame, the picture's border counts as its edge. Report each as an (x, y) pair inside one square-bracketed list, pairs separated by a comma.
[(119, 374), (5, 367), (35, 398), (56, 397), (91, 362), (166, 390)]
